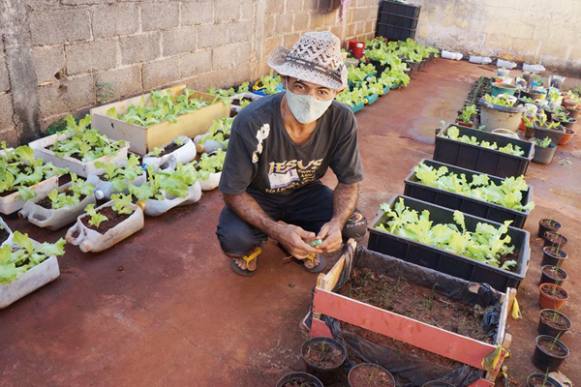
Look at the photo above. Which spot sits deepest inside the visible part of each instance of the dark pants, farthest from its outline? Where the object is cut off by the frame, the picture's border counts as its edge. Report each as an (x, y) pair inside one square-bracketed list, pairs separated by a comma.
[(309, 207)]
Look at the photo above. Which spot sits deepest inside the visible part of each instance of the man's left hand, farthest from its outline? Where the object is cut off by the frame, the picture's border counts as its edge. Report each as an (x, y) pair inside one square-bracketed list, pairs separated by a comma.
[(330, 234)]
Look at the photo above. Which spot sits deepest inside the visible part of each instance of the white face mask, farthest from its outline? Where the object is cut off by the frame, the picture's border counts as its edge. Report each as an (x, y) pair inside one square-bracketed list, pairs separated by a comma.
[(306, 108)]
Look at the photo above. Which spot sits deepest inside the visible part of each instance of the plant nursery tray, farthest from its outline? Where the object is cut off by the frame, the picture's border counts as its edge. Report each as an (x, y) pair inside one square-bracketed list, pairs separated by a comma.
[(415, 189), (144, 139), (78, 167), (482, 159), (431, 336), (34, 278), (447, 262)]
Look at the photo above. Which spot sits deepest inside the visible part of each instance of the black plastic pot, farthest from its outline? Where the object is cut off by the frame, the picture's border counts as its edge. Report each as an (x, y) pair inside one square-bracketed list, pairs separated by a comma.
[(541, 380), (444, 261), (553, 275), (299, 377), (547, 329), (549, 360), (544, 155), (482, 159), (327, 375), (380, 368), (551, 258), (554, 134), (553, 238), (414, 188), (547, 225)]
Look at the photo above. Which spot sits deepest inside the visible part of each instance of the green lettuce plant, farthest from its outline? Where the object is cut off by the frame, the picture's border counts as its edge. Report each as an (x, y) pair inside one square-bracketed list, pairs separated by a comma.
[(161, 185), (121, 176), (468, 113), (453, 133), (544, 143), (72, 196)]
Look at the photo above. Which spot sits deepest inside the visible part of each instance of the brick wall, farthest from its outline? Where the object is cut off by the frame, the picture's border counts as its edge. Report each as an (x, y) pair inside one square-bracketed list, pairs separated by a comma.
[(88, 52)]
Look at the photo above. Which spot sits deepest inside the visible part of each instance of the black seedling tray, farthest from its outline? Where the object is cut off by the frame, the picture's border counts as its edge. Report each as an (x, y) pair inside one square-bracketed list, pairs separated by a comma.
[(482, 159), (444, 261), (415, 189)]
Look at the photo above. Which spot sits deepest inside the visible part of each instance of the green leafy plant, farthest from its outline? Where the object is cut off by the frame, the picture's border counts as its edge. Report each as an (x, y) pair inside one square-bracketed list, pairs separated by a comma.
[(219, 131), (501, 100), (122, 204), (72, 196), (162, 185), (453, 133), (269, 84), (508, 194), (121, 176), (212, 163), (162, 106), (544, 143), (487, 244), (468, 113), (95, 217), (23, 254)]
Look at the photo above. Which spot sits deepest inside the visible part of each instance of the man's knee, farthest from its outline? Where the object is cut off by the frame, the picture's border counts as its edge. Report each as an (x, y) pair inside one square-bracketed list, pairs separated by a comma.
[(236, 237), (355, 227)]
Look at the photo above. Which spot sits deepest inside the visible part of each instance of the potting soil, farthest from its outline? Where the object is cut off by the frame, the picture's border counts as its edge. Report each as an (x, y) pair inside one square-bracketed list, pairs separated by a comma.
[(323, 355), (369, 377), (113, 219), (558, 322), (552, 346)]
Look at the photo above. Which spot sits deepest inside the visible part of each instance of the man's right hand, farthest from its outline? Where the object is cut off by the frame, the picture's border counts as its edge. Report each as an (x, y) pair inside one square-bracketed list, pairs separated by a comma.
[(296, 240)]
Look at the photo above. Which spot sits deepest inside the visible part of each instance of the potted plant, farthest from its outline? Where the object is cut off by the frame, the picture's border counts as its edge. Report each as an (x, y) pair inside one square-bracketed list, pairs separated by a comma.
[(553, 255), (210, 168), (79, 147), (502, 111), (323, 357), (24, 177), (180, 151), (294, 379), (553, 323), (547, 224), (553, 275), (553, 238), (552, 296), (26, 265), (369, 374), (62, 205), (216, 137), (467, 115), (165, 190), (100, 228), (544, 150), (572, 103), (499, 88), (116, 179), (537, 379), (540, 127), (550, 352), (268, 85)]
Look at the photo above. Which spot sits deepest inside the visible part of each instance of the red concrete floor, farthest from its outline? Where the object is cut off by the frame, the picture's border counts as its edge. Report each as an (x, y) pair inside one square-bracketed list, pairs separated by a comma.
[(164, 309)]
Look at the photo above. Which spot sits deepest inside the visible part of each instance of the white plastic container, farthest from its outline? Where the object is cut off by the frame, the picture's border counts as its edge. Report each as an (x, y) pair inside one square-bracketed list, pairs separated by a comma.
[(36, 277), (480, 59), (104, 189), (536, 68), (505, 64), (6, 228), (154, 207), (182, 155), (90, 240), (211, 182), (9, 204), (452, 55), (78, 167)]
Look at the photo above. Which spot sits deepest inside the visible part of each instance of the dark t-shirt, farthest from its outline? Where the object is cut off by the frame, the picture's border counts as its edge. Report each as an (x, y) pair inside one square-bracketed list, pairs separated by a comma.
[(262, 157)]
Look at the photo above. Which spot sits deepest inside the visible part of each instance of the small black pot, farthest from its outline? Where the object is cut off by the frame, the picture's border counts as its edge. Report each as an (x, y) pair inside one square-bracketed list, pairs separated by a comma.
[(546, 361), (299, 377), (547, 224), (534, 379), (553, 238), (545, 329), (327, 375), (552, 259), (557, 276)]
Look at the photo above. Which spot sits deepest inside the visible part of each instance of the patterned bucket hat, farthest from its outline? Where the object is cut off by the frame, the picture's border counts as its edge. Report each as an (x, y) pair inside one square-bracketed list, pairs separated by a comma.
[(315, 58)]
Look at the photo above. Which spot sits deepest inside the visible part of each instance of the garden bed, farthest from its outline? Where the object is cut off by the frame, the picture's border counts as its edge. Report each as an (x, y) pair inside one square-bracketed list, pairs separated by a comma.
[(469, 205), (446, 261)]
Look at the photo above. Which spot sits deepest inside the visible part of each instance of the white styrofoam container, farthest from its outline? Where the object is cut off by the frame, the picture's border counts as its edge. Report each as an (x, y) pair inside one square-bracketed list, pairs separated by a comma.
[(36, 277), (78, 167), (155, 207), (4, 226)]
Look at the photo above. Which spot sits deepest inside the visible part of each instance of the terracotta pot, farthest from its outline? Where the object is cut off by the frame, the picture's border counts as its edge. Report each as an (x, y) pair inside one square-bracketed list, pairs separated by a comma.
[(569, 133), (548, 298)]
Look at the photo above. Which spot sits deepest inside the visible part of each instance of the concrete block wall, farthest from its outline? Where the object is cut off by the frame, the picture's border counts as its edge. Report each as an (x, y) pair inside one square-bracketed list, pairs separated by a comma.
[(536, 31), (89, 52)]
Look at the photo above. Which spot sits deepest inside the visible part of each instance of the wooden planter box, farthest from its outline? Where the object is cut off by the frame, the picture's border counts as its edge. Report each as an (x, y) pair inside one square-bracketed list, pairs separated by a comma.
[(78, 167), (142, 139), (419, 334)]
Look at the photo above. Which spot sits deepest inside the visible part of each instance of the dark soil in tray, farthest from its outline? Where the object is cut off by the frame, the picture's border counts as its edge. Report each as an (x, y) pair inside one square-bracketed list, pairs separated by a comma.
[(370, 377), (323, 355), (46, 203), (3, 235), (113, 219), (418, 302), (554, 320), (552, 347)]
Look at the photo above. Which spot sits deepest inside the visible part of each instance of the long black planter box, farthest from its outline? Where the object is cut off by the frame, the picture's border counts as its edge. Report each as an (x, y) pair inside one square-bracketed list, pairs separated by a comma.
[(444, 261), (482, 159), (415, 189)]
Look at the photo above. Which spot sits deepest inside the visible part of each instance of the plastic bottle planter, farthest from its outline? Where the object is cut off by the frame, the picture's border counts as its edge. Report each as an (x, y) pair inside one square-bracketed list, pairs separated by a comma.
[(104, 189), (544, 155), (495, 117), (182, 155), (550, 353), (552, 275), (369, 374), (211, 182), (553, 323), (34, 278), (554, 256), (547, 224), (323, 357), (552, 296), (357, 107), (12, 202), (5, 232), (155, 207), (54, 219), (81, 168), (299, 379), (90, 240)]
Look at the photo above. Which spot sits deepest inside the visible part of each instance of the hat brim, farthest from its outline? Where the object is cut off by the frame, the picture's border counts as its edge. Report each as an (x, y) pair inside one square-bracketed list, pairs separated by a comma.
[(279, 63)]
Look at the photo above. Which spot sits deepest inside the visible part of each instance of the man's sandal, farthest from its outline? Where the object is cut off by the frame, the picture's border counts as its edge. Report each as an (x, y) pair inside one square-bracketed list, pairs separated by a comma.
[(248, 258)]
